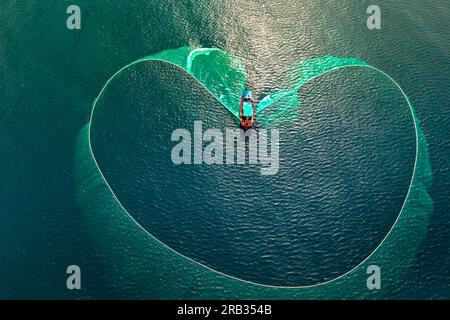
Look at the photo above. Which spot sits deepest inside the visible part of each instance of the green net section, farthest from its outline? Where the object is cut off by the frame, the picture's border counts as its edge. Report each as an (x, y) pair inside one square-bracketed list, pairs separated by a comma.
[(221, 73), (285, 104)]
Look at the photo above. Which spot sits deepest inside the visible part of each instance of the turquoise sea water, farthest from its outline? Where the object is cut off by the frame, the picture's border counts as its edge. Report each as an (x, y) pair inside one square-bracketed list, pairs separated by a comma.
[(56, 209)]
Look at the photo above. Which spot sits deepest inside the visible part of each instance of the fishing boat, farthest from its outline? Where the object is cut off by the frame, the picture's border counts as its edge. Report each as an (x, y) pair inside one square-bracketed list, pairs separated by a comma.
[(246, 112)]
